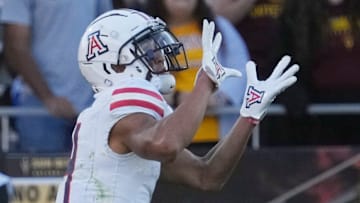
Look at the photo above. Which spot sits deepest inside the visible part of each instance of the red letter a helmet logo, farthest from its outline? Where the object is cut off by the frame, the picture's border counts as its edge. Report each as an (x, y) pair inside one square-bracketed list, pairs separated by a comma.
[(95, 46), (253, 96)]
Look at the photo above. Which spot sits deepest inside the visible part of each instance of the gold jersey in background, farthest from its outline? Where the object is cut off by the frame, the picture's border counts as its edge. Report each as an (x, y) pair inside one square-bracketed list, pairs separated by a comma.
[(190, 35)]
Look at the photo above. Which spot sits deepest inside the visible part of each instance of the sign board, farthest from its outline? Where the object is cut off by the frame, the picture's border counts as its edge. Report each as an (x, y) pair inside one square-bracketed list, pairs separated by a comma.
[(32, 189)]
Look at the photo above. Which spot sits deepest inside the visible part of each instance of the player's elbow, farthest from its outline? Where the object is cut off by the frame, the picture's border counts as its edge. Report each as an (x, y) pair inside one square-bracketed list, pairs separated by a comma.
[(208, 181), (212, 186), (164, 151), (167, 152)]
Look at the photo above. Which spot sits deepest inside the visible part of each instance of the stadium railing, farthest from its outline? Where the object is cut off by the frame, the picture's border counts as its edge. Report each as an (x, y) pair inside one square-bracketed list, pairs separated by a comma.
[(275, 109), (348, 196), (313, 109)]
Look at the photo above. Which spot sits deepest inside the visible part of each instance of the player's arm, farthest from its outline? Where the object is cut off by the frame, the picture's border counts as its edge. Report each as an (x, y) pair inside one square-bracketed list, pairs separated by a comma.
[(162, 140), (165, 139), (213, 170), (18, 55)]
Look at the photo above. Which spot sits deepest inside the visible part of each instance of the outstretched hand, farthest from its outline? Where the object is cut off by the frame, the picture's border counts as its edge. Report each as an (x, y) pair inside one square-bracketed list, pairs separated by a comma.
[(210, 64), (260, 94)]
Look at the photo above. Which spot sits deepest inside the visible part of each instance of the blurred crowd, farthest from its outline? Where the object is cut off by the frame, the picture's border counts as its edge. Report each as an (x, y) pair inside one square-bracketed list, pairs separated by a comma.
[(39, 69)]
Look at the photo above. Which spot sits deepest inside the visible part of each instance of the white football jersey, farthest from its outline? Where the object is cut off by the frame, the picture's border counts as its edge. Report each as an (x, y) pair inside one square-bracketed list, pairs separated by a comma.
[(96, 173)]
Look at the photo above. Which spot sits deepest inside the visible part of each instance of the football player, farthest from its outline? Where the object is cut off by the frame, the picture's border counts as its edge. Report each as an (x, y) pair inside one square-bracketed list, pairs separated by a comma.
[(130, 137)]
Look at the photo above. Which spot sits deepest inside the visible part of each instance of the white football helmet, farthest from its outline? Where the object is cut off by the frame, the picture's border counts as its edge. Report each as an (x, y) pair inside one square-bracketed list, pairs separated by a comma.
[(141, 44)]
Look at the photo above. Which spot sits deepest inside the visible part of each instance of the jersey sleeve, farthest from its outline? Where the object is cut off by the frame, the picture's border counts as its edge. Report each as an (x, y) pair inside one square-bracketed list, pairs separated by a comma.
[(137, 97)]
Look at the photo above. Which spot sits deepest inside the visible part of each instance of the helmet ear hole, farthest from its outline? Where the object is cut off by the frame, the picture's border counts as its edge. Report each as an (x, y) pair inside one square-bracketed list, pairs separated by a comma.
[(118, 68)]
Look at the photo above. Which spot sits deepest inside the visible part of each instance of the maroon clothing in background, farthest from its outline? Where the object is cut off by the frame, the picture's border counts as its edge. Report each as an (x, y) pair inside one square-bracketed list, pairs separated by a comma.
[(260, 31), (336, 69)]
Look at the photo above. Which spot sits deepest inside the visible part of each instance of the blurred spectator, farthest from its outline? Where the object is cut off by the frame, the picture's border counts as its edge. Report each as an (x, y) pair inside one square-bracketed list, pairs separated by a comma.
[(257, 21), (6, 188), (5, 82), (324, 38), (133, 4), (184, 18), (233, 10), (5, 78), (41, 41)]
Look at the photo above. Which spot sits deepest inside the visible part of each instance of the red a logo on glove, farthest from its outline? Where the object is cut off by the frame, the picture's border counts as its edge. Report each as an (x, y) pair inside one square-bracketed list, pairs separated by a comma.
[(253, 96), (219, 69)]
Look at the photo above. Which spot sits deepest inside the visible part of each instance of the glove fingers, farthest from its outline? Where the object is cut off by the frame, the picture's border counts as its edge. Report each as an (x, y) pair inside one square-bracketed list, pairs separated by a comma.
[(280, 67), (210, 34), (251, 72), (230, 72), (290, 72), (217, 42), (204, 37), (285, 84)]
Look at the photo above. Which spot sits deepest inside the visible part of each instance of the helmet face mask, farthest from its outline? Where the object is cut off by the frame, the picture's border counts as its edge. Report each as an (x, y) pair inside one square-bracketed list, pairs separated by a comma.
[(159, 51), (129, 38)]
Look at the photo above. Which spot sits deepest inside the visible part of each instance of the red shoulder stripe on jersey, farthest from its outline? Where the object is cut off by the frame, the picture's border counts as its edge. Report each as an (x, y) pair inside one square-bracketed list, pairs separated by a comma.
[(135, 102), (138, 90)]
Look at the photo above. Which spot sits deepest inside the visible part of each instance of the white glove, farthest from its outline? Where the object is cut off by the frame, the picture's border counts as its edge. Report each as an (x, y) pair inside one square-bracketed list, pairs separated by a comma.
[(260, 94), (210, 64)]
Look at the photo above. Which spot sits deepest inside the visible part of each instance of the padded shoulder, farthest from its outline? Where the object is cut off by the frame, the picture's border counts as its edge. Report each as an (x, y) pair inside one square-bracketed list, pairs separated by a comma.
[(137, 96)]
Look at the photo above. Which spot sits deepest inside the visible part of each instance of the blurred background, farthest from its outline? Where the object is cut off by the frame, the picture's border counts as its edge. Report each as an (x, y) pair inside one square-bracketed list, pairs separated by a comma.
[(306, 150)]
